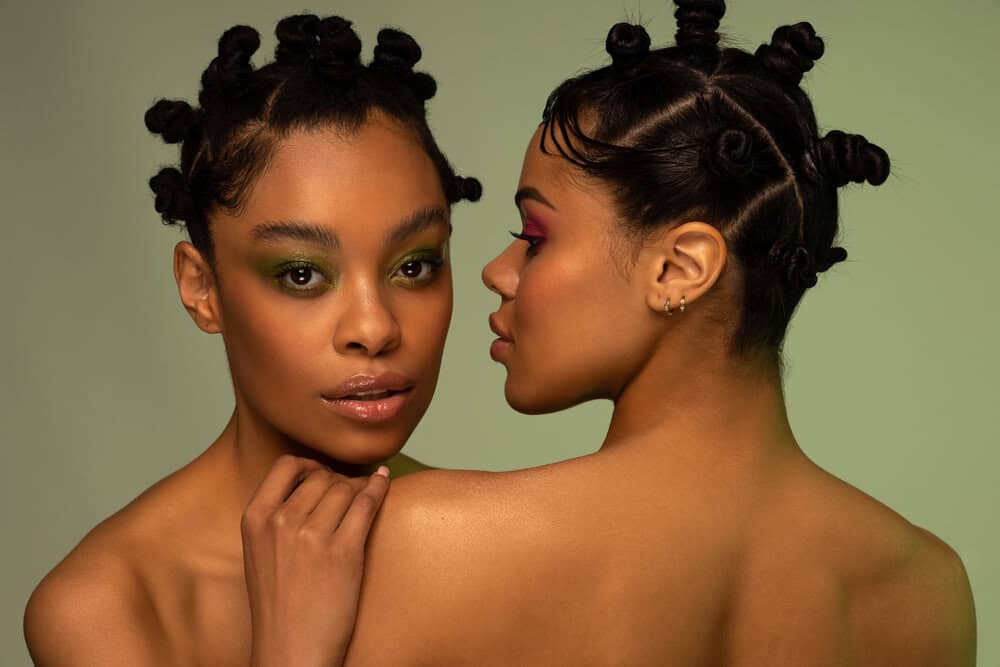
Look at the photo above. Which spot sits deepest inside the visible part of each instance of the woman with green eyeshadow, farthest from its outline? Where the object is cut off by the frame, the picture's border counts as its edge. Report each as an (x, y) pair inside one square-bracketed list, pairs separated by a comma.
[(319, 211)]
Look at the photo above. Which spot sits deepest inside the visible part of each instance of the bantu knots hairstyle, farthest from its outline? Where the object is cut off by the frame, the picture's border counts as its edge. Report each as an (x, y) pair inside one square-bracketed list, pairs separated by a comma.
[(699, 132), (316, 78)]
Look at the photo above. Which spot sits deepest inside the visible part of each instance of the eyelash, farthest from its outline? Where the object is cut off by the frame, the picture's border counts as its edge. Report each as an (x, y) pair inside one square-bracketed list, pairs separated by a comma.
[(281, 276), (533, 242), (435, 263), (286, 270)]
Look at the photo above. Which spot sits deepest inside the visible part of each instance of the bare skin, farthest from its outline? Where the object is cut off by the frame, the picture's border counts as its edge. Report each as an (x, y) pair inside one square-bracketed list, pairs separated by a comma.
[(698, 534), (162, 581)]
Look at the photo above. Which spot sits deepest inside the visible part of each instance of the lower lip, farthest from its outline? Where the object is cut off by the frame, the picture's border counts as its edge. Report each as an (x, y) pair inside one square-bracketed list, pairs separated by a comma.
[(372, 411), (500, 347)]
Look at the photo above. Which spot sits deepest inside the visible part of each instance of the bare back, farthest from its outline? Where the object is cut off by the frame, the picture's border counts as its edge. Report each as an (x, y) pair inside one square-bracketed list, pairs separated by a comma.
[(600, 561)]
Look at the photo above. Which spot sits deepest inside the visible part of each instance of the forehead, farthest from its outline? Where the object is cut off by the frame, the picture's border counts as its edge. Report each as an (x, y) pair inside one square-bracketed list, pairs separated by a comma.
[(569, 189), (378, 174)]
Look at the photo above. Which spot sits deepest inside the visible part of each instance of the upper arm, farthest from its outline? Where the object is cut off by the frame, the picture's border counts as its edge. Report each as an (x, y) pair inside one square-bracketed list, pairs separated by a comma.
[(949, 596), (926, 614), (76, 617)]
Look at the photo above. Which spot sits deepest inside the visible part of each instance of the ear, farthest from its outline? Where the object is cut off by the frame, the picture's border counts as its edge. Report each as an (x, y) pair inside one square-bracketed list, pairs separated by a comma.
[(198, 288), (683, 263)]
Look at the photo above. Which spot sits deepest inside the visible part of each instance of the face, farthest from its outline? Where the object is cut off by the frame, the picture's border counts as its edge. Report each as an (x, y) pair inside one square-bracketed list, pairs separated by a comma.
[(334, 290), (572, 323)]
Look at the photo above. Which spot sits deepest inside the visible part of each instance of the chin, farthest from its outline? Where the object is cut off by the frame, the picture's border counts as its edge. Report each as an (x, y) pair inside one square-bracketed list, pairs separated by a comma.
[(364, 448), (527, 399)]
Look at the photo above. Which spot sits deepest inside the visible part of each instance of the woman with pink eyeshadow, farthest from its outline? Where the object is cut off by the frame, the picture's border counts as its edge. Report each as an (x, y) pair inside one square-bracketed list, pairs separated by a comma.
[(676, 206)]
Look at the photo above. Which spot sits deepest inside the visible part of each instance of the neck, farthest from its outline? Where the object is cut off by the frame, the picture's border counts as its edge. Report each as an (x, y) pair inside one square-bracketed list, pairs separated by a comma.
[(702, 406), (248, 447)]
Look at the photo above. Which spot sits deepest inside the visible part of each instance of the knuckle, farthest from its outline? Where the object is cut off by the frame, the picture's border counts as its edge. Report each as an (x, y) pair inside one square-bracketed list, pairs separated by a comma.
[(366, 502), (286, 461), (341, 488), (252, 519), (309, 534), (321, 475), (278, 519)]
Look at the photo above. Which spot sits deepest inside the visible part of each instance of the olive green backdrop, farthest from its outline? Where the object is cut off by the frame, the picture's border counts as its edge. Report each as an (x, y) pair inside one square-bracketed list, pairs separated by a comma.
[(106, 386)]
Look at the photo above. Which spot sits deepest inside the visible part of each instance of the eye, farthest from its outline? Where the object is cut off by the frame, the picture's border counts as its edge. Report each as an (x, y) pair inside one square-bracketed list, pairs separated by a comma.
[(533, 241), (418, 270), (301, 277)]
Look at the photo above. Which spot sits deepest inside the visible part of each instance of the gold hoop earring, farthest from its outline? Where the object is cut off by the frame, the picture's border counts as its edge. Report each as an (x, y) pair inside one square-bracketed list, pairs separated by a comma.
[(683, 304), (666, 308)]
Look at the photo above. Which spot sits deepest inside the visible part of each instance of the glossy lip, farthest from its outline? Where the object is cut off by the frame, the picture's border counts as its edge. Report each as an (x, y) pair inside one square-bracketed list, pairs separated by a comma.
[(363, 382), (504, 343), (344, 399)]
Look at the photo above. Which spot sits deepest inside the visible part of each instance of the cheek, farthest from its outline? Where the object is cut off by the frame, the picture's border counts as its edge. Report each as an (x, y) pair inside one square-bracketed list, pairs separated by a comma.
[(273, 343), (424, 319), (574, 327)]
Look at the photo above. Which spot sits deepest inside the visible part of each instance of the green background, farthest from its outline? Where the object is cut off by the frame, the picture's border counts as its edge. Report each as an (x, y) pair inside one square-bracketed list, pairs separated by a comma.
[(107, 386)]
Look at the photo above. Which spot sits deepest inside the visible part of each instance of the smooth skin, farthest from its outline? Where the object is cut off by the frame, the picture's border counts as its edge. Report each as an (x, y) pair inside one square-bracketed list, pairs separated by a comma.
[(162, 581), (698, 534)]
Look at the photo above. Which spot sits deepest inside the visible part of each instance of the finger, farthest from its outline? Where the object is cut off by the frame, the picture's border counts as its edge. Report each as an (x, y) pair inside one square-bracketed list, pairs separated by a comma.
[(307, 495), (357, 521), (282, 478), (333, 505)]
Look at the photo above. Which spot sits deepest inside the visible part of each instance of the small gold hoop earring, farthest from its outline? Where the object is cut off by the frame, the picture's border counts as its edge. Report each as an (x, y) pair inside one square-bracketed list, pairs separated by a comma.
[(683, 304), (666, 308)]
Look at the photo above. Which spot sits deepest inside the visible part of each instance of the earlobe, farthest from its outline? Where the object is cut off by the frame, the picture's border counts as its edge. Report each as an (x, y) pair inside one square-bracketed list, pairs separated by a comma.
[(682, 265), (197, 287)]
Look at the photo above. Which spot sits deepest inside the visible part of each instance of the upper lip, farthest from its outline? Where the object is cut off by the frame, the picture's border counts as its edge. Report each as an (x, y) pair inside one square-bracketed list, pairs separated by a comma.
[(367, 383), (497, 328)]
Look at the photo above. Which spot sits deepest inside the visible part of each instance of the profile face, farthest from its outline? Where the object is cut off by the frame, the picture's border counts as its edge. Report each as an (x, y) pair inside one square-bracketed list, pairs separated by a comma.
[(335, 290), (571, 325)]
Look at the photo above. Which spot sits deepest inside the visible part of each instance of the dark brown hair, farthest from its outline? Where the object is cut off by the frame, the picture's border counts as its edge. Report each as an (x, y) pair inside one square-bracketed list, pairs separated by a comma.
[(695, 132), (316, 79)]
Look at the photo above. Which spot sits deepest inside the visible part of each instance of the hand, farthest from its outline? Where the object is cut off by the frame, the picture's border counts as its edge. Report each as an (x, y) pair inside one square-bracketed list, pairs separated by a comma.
[(304, 535)]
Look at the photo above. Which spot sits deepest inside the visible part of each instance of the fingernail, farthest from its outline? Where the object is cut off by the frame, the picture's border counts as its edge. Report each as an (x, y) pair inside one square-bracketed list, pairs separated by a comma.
[(382, 470)]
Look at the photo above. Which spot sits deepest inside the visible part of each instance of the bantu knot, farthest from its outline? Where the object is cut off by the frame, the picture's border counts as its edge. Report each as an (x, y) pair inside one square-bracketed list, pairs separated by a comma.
[(398, 52), (731, 154), (229, 73), (793, 51), (627, 44), (173, 196), (834, 256), (698, 21), (339, 47), (794, 263), (469, 189), (297, 39), (850, 157), (172, 119)]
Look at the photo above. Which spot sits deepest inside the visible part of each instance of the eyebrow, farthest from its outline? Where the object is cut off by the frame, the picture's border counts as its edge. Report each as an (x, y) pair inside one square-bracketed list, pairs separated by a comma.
[(416, 222), (295, 230), (533, 194)]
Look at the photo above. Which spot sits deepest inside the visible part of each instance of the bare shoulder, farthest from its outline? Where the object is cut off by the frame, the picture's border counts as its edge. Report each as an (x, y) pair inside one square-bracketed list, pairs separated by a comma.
[(97, 605), (935, 614), (906, 591), (91, 609), (448, 545)]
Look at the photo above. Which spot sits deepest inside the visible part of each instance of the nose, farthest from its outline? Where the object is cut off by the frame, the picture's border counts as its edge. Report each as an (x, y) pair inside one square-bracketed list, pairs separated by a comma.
[(367, 325), (501, 275)]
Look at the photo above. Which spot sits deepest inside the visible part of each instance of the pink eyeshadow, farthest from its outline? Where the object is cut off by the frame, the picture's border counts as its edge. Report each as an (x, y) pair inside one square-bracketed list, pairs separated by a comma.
[(533, 227)]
